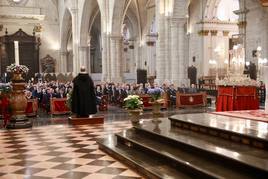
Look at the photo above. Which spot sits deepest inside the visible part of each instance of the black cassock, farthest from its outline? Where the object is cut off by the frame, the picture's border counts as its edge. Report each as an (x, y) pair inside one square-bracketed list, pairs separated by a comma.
[(83, 96), (192, 72)]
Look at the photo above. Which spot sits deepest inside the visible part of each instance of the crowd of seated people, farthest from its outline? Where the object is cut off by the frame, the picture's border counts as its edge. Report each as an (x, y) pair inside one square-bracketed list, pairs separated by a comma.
[(114, 92)]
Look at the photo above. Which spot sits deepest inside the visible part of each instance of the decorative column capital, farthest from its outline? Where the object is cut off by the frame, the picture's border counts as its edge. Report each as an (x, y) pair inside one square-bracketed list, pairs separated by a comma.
[(116, 37), (74, 10), (213, 32), (63, 52), (82, 47), (203, 32), (225, 33), (177, 21)]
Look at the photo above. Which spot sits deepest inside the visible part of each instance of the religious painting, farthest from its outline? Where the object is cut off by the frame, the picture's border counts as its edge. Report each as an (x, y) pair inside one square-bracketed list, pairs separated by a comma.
[(48, 64)]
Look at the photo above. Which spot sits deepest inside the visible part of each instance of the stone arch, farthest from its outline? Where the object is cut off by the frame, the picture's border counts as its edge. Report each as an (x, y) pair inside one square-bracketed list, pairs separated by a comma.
[(66, 27), (89, 13)]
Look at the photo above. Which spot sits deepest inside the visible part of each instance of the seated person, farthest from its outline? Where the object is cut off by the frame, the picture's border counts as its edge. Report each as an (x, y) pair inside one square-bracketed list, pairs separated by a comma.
[(183, 89), (172, 94), (192, 89)]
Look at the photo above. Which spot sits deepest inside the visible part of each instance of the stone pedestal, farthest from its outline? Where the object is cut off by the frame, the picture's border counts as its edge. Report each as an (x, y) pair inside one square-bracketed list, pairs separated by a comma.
[(92, 119), (18, 104)]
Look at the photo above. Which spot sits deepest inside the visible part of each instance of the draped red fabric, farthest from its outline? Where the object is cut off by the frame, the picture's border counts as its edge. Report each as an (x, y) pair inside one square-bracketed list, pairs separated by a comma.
[(29, 108), (237, 98), (146, 100), (246, 98), (4, 109), (225, 99), (60, 106)]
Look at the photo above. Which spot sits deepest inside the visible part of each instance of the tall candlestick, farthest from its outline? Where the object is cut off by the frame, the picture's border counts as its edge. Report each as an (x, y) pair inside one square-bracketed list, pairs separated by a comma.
[(17, 56)]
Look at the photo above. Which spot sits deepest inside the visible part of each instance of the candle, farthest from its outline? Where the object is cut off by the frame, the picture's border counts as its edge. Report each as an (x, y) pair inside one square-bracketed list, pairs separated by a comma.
[(16, 49)]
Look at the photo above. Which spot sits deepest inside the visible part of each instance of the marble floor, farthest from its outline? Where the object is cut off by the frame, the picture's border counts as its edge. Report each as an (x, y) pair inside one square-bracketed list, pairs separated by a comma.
[(54, 149)]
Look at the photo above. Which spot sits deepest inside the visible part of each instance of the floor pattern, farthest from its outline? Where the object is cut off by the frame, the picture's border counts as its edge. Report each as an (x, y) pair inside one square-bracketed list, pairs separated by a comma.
[(60, 151)]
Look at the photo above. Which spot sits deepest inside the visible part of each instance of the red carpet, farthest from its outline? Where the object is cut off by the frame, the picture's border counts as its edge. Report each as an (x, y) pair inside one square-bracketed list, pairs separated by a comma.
[(257, 115)]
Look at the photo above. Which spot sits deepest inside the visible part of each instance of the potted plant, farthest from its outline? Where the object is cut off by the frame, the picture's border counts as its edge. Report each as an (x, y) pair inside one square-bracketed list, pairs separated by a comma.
[(133, 104), (156, 99)]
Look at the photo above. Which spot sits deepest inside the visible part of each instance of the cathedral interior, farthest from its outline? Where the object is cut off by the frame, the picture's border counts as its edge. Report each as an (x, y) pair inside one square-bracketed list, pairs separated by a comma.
[(178, 85)]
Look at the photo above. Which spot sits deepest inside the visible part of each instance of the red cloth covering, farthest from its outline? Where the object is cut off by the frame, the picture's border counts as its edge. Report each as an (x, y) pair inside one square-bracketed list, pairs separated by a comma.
[(29, 108), (146, 101), (60, 106), (237, 98), (191, 100), (4, 103)]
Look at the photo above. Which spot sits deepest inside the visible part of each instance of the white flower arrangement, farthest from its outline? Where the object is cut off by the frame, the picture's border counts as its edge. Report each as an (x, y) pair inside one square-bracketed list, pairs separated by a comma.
[(133, 102), (237, 80), (17, 69)]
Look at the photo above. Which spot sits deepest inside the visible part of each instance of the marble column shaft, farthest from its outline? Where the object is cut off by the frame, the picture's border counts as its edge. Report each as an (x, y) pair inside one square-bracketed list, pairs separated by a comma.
[(84, 57), (76, 65), (105, 58), (181, 37), (116, 58), (160, 45), (63, 61)]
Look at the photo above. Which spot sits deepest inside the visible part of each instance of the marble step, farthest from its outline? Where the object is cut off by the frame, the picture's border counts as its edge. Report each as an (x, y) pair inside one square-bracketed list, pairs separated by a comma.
[(214, 147), (190, 160), (243, 131), (144, 164)]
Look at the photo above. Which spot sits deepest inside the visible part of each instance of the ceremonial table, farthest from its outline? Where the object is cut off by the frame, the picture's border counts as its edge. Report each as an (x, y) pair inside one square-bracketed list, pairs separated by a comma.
[(191, 99), (231, 98)]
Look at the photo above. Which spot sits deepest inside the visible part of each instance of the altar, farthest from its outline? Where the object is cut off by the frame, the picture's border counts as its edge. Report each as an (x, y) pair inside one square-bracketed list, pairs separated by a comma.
[(232, 98)]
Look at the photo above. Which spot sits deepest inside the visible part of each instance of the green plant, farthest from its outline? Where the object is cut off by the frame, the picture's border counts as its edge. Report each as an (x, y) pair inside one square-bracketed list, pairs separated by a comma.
[(132, 102)]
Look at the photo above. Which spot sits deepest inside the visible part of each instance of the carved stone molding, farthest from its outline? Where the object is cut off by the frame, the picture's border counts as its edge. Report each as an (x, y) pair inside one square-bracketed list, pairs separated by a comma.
[(17, 2), (203, 32), (242, 24), (225, 33), (213, 32)]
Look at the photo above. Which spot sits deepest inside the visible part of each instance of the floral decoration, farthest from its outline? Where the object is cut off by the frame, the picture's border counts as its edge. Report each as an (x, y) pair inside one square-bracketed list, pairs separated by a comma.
[(156, 94), (17, 69), (237, 80), (132, 102)]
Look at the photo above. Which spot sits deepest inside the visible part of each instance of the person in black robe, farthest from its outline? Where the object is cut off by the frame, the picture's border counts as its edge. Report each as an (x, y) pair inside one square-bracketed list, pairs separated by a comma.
[(83, 96), (192, 73), (252, 71)]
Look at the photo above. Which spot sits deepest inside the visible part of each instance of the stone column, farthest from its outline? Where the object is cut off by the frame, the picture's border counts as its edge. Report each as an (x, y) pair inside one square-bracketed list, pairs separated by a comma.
[(83, 57), (175, 73), (132, 68), (160, 45), (63, 61), (74, 12), (167, 49), (116, 58), (105, 57), (181, 36)]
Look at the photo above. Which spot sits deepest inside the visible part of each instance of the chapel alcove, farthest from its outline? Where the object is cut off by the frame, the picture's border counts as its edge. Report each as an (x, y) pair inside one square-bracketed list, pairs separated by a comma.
[(28, 51)]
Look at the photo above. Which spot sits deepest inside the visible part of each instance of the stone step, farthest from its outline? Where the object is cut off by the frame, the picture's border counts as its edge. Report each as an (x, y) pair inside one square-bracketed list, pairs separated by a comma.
[(144, 164), (208, 146), (204, 166), (242, 131)]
